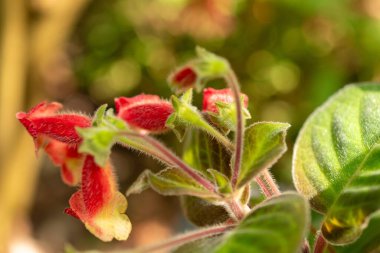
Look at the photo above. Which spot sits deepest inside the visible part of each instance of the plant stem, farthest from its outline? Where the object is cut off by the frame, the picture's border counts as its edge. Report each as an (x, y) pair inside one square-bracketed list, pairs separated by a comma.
[(175, 160), (235, 209), (320, 244), (232, 82), (217, 135), (129, 143), (182, 239), (267, 184), (306, 247)]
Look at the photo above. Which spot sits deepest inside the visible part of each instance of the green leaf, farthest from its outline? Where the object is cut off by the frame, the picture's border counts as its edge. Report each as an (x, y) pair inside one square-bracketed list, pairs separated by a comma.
[(369, 241), (276, 225), (201, 212), (186, 115), (225, 118), (264, 144), (140, 184), (221, 181), (99, 139), (205, 245), (210, 65), (337, 160), (99, 115), (170, 181), (202, 152)]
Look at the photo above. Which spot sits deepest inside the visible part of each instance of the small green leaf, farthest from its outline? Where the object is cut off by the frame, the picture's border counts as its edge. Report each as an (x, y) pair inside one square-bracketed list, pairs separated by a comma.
[(99, 115), (210, 65), (178, 129), (186, 113), (226, 117), (264, 144), (170, 181), (337, 160), (140, 184), (201, 212), (173, 181), (221, 181), (97, 141), (276, 225)]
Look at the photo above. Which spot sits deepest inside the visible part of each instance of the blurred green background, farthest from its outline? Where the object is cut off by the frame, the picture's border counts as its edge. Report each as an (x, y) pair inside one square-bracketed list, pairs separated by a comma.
[(289, 55)]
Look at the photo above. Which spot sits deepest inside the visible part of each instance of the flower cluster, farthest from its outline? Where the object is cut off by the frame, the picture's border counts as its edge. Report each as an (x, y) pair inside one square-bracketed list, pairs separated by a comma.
[(98, 203)]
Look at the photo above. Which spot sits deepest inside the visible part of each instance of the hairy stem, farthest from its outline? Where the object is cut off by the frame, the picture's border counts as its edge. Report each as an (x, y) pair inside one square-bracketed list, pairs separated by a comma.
[(218, 135), (236, 209), (239, 138), (320, 244), (186, 238), (174, 160), (306, 247), (129, 143), (267, 184)]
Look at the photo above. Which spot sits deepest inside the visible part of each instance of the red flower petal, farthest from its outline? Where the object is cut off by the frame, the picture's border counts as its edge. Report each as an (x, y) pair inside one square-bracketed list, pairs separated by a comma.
[(123, 102), (71, 212), (44, 120), (97, 185), (67, 157)]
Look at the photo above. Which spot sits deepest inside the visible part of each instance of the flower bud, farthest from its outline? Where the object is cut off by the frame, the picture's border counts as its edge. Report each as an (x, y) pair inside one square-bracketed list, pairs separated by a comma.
[(183, 78), (212, 96), (144, 112)]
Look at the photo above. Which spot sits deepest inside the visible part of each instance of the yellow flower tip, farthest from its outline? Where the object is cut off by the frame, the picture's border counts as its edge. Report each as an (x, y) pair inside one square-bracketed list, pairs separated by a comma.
[(111, 222)]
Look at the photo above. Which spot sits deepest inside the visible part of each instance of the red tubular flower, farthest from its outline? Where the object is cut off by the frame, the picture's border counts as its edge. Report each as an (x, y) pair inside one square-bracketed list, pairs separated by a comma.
[(98, 204), (67, 157), (144, 112), (56, 134), (211, 96), (43, 120), (183, 78)]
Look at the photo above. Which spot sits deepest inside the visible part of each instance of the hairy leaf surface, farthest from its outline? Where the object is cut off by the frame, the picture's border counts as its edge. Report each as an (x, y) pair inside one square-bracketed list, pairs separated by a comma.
[(264, 144), (369, 241), (337, 161), (276, 225), (203, 152)]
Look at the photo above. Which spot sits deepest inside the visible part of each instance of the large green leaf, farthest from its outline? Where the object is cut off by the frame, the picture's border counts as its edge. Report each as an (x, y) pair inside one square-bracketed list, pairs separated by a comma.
[(277, 225), (212, 159), (205, 245), (201, 212), (264, 144), (337, 161), (369, 241), (202, 152)]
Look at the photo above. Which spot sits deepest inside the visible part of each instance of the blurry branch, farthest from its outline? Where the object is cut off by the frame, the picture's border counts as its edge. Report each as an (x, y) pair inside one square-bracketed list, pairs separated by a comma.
[(51, 31), (13, 63), (26, 50)]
